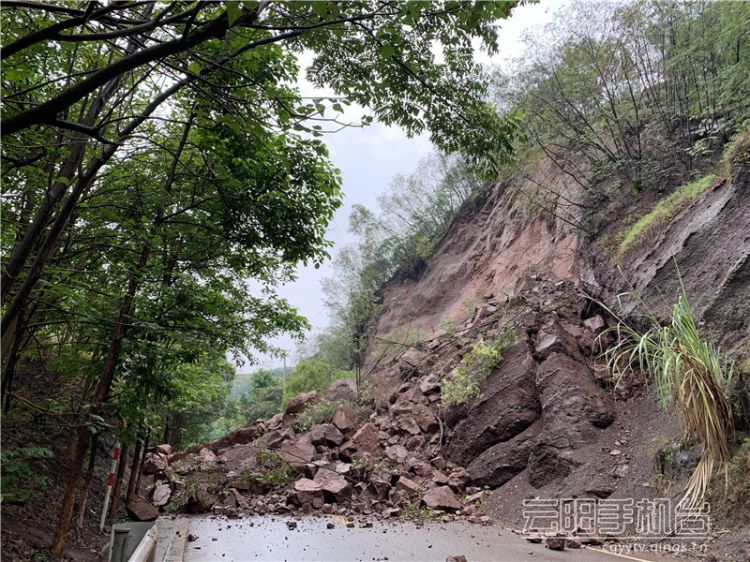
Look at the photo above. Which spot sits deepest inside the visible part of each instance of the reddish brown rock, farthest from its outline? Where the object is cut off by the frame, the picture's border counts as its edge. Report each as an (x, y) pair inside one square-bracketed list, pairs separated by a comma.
[(397, 453), (407, 485), (165, 448), (508, 405), (326, 434), (407, 424), (380, 484), (595, 323), (142, 510), (297, 404), (206, 456), (441, 497), (308, 493), (276, 421), (335, 487), (458, 479), (365, 440), (411, 360), (241, 500), (345, 418), (342, 390), (241, 436), (297, 453), (429, 385)]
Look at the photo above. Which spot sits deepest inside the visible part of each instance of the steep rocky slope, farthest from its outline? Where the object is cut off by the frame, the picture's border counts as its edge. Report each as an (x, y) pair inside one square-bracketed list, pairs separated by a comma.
[(548, 420)]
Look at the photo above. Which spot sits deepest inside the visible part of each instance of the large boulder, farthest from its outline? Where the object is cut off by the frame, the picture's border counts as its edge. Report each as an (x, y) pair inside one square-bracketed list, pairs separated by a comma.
[(501, 462), (345, 418), (441, 497), (161, 495), (142, 510), (241, 436), (365, 440), (342, 390), (297, 404), (326, 434), (508, 405), (334, 486), (307, 492), (297, 453), (573, 405), (155, 463), (204, 498)]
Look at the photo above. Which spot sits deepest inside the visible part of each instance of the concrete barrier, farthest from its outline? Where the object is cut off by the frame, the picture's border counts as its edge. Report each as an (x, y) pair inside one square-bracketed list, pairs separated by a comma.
[(132, 540), (146, 549)]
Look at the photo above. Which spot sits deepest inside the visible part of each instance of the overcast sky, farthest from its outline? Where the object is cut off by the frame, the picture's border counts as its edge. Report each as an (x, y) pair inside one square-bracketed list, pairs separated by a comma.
[(368, 158)]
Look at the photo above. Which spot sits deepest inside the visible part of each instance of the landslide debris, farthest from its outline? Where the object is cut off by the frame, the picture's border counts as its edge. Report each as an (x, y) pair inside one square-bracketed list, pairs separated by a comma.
[(410, 457)]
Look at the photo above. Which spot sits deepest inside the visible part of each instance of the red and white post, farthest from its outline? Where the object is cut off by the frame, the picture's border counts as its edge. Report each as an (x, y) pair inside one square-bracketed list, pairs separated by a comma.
[(110, 483)]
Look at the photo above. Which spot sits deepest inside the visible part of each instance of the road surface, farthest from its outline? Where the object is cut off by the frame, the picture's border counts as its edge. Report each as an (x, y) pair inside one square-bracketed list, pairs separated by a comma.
[(203, 539)]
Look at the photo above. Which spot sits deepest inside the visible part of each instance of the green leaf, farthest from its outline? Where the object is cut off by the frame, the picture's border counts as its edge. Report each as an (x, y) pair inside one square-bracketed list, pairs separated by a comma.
[(387, 51), (234, 11)]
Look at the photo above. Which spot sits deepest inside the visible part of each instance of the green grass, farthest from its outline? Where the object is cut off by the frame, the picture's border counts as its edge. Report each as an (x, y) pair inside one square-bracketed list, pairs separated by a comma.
[(664, 211)]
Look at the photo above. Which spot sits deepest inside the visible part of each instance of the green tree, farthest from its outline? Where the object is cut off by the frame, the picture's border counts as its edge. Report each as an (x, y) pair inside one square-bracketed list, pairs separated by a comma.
[(157, 160), (311, 374), (265, 396)]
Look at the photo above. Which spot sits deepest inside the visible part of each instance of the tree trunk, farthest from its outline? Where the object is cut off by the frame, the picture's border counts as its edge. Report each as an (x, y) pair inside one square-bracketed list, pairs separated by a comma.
[(135, 468), (66, 509), (86, 485)]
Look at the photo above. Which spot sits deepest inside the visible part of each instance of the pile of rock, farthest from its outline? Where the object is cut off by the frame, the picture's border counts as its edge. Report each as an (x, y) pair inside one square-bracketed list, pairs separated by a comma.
[(380, 465)]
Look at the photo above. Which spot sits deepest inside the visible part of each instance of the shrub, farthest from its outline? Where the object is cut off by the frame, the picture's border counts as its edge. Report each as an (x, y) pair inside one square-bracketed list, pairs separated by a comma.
[(319, 412), (312, 374), (692, 376), (18, 478), (462, 385), (276, 470)]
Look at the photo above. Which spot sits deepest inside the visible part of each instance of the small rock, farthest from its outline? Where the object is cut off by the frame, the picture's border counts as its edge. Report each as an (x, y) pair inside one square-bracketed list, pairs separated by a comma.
[(615, 452), (291, 525), (330, 526), (459, 558), (534, 539), (595, 323), (555, 543)]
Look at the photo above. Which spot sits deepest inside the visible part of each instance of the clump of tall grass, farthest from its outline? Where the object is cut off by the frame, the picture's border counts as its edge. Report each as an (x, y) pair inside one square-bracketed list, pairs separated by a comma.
[(690, 375)]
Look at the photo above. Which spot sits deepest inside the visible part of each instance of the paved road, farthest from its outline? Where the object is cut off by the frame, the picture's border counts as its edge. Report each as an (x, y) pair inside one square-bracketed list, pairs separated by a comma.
[(269, 538)]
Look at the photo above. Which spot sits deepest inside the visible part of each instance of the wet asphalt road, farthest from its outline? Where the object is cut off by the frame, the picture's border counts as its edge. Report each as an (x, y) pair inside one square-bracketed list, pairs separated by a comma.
[(269, 538)]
